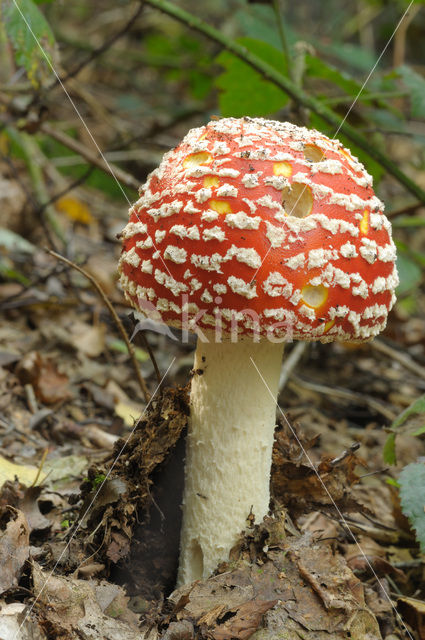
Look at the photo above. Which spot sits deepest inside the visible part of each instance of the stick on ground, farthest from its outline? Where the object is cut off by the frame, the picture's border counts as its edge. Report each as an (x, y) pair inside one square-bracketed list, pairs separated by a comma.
[(115, 317)]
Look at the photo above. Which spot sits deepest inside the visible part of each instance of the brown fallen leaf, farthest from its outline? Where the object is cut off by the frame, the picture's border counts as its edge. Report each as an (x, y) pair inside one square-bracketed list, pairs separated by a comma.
[(314, 591), (413, 612), (363, 564), (37, 522), (90, 609), (118, 547), (14, 546), (50, 386), (245, 620), (330, 578), (87, 339)]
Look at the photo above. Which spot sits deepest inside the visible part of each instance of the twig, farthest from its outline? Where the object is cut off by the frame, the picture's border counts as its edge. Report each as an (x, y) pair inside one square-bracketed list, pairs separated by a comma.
[(283, 38), (290, 363), (30, 151), (115, 317), (285, 84), (383, 95), (40, 466), (402, 358), (125, 178), (345, 454), (408, 208), (70, 187), (386, 535), (345, 394), (400, 36), (151, 355), (104, 47)]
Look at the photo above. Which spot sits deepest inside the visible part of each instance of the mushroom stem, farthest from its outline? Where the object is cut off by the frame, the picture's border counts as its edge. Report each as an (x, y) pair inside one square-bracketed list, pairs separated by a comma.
[(228, 450)]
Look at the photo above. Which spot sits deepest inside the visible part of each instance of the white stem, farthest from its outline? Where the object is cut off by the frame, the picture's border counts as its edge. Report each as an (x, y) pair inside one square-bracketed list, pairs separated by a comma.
[(228, 451)]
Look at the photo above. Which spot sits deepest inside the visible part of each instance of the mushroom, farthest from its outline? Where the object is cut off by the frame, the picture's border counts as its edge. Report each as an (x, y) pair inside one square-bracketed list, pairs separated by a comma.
[(252, 233)]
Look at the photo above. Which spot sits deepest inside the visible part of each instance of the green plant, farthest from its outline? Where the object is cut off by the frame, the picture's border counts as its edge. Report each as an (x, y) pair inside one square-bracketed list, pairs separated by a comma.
[(411, 481)]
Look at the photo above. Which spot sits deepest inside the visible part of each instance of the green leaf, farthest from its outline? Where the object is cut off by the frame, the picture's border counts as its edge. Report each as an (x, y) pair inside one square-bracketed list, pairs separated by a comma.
[(384, 119), (243, 91), (14, 242), (392, 483), (409, 273), (121, 347), (28, 30), (388, 452), (354, 56), (419, 431), (416, 85), (258, 21), (408, 221), (8, 273), (412, 498), (317, 68), (417, 407)]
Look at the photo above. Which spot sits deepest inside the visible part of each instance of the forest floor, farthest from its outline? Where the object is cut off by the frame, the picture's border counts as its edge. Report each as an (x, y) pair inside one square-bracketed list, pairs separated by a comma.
[(89, 518)]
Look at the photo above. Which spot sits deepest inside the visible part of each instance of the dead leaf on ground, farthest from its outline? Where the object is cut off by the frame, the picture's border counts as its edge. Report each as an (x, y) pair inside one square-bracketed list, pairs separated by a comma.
[(87, 339), (36, 520), (42, 373), (14, 546), (26, 474), (70, 608), (14, 625), (243, 621), (303, 584), (413, 612), (125, 408)]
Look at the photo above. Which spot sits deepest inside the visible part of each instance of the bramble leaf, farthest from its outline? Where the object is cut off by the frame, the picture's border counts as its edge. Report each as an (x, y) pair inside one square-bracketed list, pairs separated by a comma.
[(243, 91), (412, 498), (30, 35), (416, 85)]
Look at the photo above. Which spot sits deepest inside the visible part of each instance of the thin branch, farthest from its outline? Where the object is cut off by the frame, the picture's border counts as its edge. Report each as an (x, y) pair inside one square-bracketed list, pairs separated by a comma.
[(400, 36), (70, 187), (380, 95), (92, 158), (104, 47), (407, 208), (30, 152), (344, 394), (400, 356), (290, 363), (283, 38), (296, 93), (117, 320), (151, 355)]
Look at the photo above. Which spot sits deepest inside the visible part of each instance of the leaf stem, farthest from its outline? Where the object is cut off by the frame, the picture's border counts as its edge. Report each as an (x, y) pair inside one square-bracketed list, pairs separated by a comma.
[(283, 38)]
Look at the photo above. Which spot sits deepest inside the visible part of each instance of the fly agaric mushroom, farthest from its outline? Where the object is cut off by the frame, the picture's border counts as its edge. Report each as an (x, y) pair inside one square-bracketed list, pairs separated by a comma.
[(252, 233)]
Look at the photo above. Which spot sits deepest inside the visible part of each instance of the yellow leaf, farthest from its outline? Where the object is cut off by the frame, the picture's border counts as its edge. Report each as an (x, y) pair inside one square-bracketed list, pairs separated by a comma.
[(129, 413), (75, 209), (26, 475)]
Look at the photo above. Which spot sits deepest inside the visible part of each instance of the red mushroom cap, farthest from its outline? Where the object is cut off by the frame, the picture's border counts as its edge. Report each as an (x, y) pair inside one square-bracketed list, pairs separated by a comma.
[(272, 225)]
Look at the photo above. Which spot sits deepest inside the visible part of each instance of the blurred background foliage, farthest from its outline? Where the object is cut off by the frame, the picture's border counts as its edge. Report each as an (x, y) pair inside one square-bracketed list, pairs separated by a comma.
[(138, 83)]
